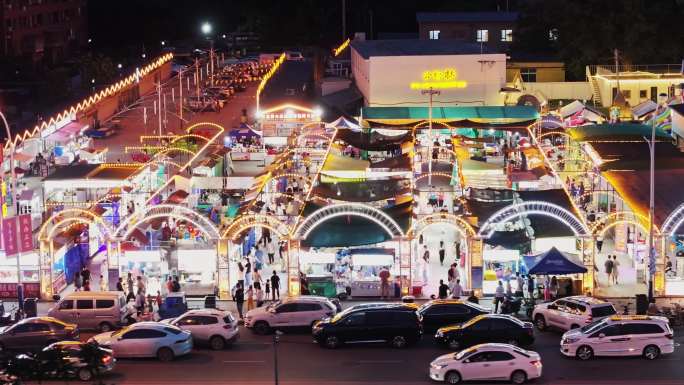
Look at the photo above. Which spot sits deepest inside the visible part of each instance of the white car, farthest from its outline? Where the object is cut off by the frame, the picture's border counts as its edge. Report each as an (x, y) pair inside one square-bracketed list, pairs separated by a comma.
[(290, 312), (571, 312), (147, 339), (646, 336), (487, 362), (215, 327)]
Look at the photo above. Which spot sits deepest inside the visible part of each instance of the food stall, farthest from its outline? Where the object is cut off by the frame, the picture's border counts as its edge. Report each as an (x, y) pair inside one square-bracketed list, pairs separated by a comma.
[(152, 264), (197, 271), (30, 273), (365, 270), (319, 268), (499, 265)]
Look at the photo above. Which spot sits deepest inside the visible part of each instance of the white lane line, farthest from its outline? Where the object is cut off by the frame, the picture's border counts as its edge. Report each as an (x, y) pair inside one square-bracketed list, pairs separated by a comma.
[(243, 362)]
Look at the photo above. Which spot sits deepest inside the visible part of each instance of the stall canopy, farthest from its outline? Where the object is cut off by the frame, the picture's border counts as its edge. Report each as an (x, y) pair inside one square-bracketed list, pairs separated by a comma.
[(501, 117), (374, 141), (343, 123), (367, 191), (246, 132), (554, 261), (619, 131)]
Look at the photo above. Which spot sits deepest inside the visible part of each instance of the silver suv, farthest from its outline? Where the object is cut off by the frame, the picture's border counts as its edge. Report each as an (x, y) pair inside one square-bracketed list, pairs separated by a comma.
[(571, 312), (288, 313), (215, 327)]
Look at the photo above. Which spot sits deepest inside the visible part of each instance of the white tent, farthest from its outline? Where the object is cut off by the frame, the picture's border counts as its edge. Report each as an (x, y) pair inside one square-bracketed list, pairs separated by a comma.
[(571, 109), (342, 122)]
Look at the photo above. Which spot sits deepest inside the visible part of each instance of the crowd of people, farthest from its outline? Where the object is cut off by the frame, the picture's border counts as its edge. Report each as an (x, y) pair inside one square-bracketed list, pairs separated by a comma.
[(251, 286)]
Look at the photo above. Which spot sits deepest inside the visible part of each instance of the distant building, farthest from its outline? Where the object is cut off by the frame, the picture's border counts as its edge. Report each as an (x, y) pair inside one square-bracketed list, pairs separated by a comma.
[(493, 30), (393, 72), (42, 30), (637, 83)]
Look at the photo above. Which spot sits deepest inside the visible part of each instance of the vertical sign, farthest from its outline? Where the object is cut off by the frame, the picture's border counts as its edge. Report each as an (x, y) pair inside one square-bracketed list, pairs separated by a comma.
[(9, 236), (25, 233)]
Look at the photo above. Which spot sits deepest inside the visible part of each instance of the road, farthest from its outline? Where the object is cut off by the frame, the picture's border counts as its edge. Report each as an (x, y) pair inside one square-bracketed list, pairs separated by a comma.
[(301, 362)]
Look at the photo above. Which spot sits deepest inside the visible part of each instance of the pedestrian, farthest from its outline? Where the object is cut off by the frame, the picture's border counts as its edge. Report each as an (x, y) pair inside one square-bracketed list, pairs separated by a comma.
[(250, 298), (140, 302), (520, 282), (553, 287), (420, 239), (129, 283), (158, 299), (384, 282), (456, 289), (530, 286), (150, 303), (498, 296), (258, 259), (141, 284), (239, 298), (442, 253), (608, 265), (443, 290), (241, 274), (259, 294), (451, 273), (268, 288), (86, 285), (248, 274), (599, 242), (275, 285), (616, 269), (270, 250), (176, 284), (103, 283), (77, 282), (426, 254), (85, 274), (119, 285), (169, 284), (509, 290)]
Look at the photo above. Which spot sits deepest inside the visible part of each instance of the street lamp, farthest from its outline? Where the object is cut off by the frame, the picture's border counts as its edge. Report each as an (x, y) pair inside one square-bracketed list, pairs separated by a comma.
[(163, 43), (206, 30)]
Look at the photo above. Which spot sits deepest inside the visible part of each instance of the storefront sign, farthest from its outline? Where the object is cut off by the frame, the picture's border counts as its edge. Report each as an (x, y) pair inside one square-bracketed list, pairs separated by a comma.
[(621, 238), (9, 290), (25, 233), (439, 79), (59, 283), (9, 235), (476, 253)]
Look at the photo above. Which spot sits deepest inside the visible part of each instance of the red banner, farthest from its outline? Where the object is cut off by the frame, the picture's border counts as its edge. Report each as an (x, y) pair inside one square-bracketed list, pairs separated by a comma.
[(9, 290), (25, 233), (9, 236)]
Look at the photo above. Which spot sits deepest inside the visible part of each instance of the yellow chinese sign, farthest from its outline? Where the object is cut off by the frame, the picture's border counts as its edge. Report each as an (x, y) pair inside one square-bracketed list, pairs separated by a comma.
[(439, 79)]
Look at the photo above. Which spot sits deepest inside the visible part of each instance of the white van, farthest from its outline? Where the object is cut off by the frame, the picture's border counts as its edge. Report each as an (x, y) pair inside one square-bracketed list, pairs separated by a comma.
[(101, 310)]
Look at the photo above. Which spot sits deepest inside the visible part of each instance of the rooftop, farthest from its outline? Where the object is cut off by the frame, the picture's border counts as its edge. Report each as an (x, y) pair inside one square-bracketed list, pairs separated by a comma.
[(414, 47), (465, 17)]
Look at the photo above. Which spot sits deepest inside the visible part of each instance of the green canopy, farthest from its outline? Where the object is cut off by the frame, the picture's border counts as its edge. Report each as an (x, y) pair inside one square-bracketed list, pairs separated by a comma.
[(485, 113), (616, 132)]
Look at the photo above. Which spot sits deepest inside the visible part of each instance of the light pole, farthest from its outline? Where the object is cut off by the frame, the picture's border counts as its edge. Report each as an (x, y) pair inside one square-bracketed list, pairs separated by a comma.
[(651, 212), (13, 176), (206, 30), (276, 339), (432, 92)]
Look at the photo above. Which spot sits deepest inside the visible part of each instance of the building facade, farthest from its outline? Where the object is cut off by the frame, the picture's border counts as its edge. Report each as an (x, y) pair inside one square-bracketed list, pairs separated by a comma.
[(493, 30), (42, 30)]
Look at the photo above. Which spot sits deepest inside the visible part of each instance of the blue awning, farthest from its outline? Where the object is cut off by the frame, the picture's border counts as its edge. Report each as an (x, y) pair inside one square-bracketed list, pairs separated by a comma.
[(556, 262)]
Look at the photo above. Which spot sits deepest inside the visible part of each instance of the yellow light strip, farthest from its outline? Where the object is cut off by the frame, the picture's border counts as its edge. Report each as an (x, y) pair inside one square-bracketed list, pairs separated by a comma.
[(150, 137), (187, 136), (93, 99), (143, 148), (268, 75), (438, 85), (337, 51)]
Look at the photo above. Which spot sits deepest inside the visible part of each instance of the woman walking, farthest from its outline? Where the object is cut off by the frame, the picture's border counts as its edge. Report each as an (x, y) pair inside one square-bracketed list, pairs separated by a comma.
[(250, 298), (442, 252), (616, 269)]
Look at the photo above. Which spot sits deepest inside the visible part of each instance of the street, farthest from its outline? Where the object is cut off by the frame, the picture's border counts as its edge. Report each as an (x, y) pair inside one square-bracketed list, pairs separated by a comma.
[(250, 361)]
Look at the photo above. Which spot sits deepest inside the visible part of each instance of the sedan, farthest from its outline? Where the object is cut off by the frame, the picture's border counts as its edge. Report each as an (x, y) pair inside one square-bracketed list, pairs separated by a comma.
[(444, 312), (147, 339), (32, 334), (487, 362), (486, 328)]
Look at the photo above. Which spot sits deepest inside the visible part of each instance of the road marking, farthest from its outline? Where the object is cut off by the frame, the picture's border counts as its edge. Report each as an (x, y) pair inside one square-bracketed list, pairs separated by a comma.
[(243, 362)]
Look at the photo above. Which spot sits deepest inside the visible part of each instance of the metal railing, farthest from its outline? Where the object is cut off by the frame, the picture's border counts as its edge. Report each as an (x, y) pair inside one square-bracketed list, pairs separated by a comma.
[(607, 69)]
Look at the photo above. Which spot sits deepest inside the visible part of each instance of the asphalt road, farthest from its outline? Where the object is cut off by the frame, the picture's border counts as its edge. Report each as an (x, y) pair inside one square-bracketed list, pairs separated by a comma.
[(250, 361)]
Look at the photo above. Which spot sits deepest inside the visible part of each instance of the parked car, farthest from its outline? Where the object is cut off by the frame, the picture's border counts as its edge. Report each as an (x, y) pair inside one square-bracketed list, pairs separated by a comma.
[(147, 339), (88, 359), (444, 312), (173, 305), (398, 324), (101, 310), (571, 312), (487, 362), (215, 327), (32, 334), (288, 313), (648, 336), (486, 328)]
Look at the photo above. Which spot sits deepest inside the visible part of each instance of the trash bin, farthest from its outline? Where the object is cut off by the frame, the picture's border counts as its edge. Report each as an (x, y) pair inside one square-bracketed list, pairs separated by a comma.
[(641, 304), (210, 302), (31, 307)]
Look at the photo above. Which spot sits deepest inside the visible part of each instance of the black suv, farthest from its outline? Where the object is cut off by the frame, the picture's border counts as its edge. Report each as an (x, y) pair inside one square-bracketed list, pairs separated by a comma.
[(486, 328), (398, 324), (444, 312)]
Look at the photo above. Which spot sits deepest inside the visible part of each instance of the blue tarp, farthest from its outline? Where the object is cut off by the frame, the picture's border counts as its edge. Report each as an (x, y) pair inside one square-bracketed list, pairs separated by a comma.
[(554, 261)]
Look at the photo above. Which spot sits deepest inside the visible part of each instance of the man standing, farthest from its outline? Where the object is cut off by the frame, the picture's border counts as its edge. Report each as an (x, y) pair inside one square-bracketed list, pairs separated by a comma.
[(520, 283), (498, 296), (609, 269), (443, 290), (239, 298), (270, 250), (384, 282), (456, 289), (275, 285)]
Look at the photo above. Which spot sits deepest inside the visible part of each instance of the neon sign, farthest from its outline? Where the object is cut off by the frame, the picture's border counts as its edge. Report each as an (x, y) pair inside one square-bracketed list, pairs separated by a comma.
[(439, 79)]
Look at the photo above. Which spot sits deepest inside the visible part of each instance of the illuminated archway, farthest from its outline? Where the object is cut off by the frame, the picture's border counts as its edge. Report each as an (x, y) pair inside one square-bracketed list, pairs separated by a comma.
[(248, 221), (459, 224), (534, 208), (323, 214), (674, 220), (67, 216), (178, 212), (434, 174), (606, 193), (603, 224)]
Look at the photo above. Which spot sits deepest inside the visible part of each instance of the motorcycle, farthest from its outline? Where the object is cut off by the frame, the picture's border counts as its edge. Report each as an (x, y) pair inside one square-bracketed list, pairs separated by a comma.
[(11, 317), (511, 305)]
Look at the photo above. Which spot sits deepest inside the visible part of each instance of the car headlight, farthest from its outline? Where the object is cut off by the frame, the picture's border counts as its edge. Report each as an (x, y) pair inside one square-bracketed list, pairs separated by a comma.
[(437, 366), (570, 340)]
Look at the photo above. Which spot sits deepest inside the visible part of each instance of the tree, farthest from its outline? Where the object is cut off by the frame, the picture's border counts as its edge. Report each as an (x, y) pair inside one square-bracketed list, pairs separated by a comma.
[(96, 67)]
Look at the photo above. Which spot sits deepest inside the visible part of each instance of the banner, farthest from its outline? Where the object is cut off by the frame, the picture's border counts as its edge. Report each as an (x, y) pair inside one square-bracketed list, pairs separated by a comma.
[(9, 290), (25, 233), (9, 235)]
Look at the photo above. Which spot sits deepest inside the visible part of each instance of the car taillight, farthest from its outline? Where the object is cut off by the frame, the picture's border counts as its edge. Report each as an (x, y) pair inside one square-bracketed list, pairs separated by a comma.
[(589, 320), (106, 360), (536, 363), (669, 336)]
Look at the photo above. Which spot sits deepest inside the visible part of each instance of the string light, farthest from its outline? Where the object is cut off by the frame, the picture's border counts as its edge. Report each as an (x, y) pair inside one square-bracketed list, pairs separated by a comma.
[(337, 51), (268, 75), (463, 227), (178, 212)]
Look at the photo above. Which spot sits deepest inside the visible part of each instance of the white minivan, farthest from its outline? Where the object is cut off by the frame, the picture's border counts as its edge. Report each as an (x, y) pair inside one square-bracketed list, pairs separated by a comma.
[(101, 310)]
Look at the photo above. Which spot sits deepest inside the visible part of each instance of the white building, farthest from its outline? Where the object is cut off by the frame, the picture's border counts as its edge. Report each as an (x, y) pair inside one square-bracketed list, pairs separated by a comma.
[(637, 83), (391, 72)]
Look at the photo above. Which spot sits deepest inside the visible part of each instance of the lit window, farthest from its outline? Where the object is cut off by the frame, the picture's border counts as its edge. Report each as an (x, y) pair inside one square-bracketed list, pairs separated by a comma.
[(506, 35), (482, 35), (434, 35), (528, 75)]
